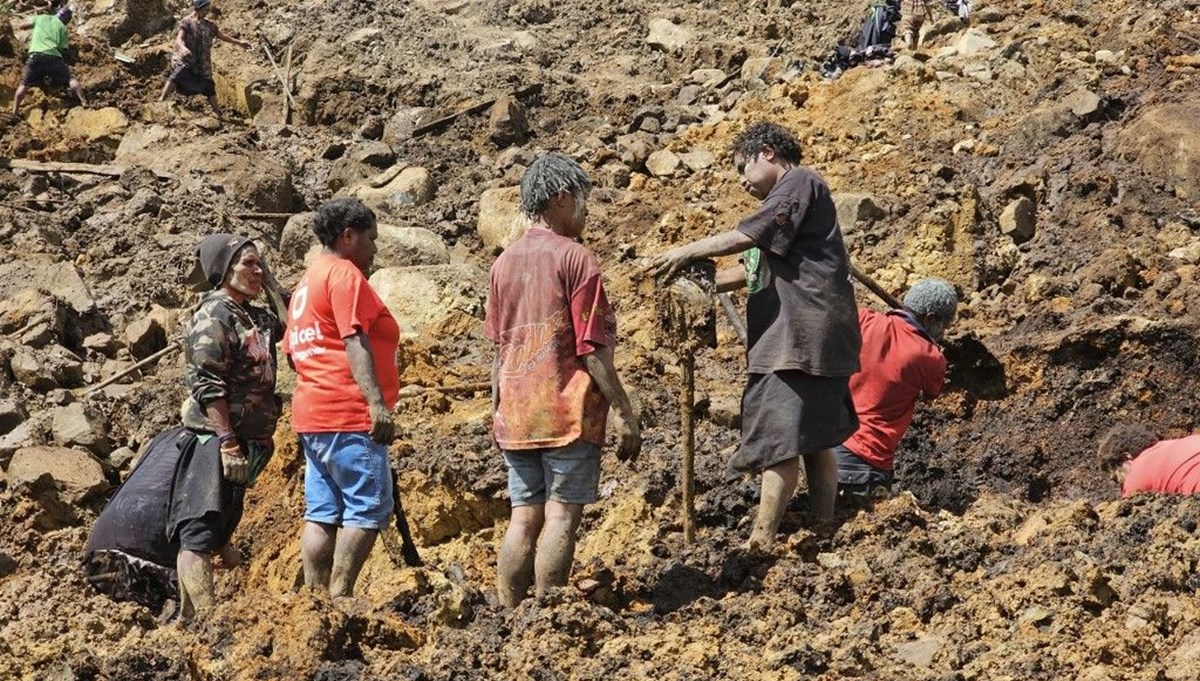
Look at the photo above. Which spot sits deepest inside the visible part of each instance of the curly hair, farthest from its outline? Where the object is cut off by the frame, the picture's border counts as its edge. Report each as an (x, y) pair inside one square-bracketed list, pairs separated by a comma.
[(549, 175), (764, 134), (338, 215), (1124, 442)]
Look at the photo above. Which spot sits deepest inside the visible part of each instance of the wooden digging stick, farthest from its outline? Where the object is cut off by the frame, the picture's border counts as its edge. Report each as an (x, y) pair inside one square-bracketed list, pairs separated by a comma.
[(875, 288), (687, 401), (175, 345)]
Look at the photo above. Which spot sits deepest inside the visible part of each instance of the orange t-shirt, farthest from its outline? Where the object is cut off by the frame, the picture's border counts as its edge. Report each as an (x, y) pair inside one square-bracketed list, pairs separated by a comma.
[(333, 302), (1168, 467)]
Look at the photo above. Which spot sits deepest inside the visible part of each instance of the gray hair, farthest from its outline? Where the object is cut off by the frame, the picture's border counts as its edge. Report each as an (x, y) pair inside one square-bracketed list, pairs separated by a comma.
[(548, 176), (933, 297)]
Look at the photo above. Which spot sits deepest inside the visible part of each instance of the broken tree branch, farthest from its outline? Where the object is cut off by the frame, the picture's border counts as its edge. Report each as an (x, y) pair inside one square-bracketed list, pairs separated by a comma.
[(63, 167), (445, 121)]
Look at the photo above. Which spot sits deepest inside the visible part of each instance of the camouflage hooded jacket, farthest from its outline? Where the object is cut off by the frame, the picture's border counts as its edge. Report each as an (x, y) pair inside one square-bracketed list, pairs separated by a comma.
[(230, 353)]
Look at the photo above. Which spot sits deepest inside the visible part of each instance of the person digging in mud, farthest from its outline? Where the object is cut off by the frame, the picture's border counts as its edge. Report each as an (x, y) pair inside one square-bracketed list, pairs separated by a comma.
[(1140, 462), (46, 63), (191, 65), (343, 343), (901, 361), (803, 338), (553, 378)]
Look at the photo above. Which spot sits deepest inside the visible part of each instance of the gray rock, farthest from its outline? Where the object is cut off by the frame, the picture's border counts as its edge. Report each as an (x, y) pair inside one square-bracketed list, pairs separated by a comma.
[(64, 282), (121, 457), (635, 149), (377, 154), (853, 209), (707, 78), (145, 201), (400, 126), (974, 41), (75, 474), (145, 337), (667, 36), (508, 123), (31, 372), (921, 652), (346, 172), (700, 159), (409, 246), (78, 426), (297, 237), (410, 187), (435, 299), (663, 163), (1083, 103), (102, 343), (12, 414), (1019, 220)]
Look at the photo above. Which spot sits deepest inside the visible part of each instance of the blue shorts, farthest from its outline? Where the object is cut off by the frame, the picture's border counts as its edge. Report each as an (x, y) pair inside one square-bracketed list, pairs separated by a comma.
[(347, 480), (570, 473)]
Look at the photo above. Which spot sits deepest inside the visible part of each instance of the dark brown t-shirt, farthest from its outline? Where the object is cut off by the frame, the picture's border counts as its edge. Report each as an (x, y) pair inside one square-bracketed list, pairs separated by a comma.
[(801, 313)]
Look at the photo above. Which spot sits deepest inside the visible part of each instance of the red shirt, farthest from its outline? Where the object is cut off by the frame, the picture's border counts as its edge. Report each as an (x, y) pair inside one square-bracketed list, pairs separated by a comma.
[(546, 311), (899, 365), (332, 302), (1169, 467)]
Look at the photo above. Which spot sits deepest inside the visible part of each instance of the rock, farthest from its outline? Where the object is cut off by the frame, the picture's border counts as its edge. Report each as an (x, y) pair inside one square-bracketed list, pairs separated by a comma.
[(145, 201), (121, 457), (1083, 103), (635, 150), (21, 436), (707, 78), (1018, 220), (30, 307), (907, 64), (508, 123), (1165, 141), (1106, 56), (411, 187), (297, 237), (63, 281), (409, 246), (115, 366), (95, 124), (145, 337), (118, 21), (1114, 271), (663, 163), (855, 208), (377, 154), (399, 127), (725, 410), (700, 159), (12, 414), (1189, 253), (77, 426), (974, 41), (75, 475), (667, 36), (921, 652), (437, 300), (755, 68), (32, 372), (346, 172), (501, 221)]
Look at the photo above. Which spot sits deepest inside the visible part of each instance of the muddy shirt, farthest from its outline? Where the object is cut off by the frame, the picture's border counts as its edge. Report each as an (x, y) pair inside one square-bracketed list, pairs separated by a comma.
[(230, 353), (546, 311), (1167, 467), (800, 314), (198, 35)]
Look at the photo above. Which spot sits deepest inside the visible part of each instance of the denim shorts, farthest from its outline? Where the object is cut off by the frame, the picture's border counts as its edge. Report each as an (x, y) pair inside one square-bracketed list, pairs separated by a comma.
[(858, 478), (347, 480), (570, 473)]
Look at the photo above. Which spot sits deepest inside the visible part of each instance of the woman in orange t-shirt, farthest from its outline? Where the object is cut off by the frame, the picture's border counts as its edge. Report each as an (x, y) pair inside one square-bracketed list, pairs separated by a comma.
[(342, 342)]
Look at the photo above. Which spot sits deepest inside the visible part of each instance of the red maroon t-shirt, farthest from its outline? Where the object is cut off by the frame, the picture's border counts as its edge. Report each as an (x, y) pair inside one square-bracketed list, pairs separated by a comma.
[(333, 302), (899, 365), (546, 311), (1169, 467)]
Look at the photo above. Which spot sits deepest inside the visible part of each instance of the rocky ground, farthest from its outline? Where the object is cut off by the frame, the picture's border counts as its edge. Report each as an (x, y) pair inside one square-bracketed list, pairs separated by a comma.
[(1043, 158)]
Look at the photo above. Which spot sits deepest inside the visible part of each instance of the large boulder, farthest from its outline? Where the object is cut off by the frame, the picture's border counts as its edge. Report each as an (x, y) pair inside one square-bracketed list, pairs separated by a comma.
[(438, 300), (74, 474), (409, 246), (508, 123), (1165, 140), (853, 209), (63, 281), (145, 337), (297, 237), (501, 221), (44, 370), (117, 21), (409, 187)]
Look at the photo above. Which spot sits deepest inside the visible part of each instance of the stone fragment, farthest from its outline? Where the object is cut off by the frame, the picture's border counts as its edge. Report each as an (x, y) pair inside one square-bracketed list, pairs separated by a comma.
[(372, 153), (437, 300), (974, 41), (399, 128), (32, 372), (145, 337), (63, 281), (501, 221), (707, 77), (668, 36), (75, 474), (78, 426), (921, 652), (1019, 220), (1105, 56), (21, 436), (12, 414), (409, 246), (854, 208), (411, 187), (1083, 103), (117, 21), (297, 237), (700, 159), (663, 163), (508, 123), (95, 124), (145, 201)]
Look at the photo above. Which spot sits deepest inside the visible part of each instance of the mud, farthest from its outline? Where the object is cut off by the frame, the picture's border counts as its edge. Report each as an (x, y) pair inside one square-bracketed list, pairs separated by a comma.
[(1006, 556)]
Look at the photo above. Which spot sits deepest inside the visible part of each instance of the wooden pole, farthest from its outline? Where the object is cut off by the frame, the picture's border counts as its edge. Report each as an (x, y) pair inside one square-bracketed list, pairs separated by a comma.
[(732, 314), (875, 288), (287, 91), (688, 426), (287, 86), (122, 374)]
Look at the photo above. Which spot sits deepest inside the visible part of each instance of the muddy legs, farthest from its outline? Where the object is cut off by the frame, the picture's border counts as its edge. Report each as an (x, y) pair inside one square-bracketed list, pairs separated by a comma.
[(552, 529), (516, 564), (195, 573), (334, 556), (778, 486)]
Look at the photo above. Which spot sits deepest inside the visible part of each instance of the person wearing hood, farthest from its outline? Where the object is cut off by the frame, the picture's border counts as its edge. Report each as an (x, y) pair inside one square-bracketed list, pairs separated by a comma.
[(46, 45), (191, 65), (173, 518)]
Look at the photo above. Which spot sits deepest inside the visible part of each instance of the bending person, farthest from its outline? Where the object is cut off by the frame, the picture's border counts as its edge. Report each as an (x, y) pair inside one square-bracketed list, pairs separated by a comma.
[(46, 45), (343, 345)]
